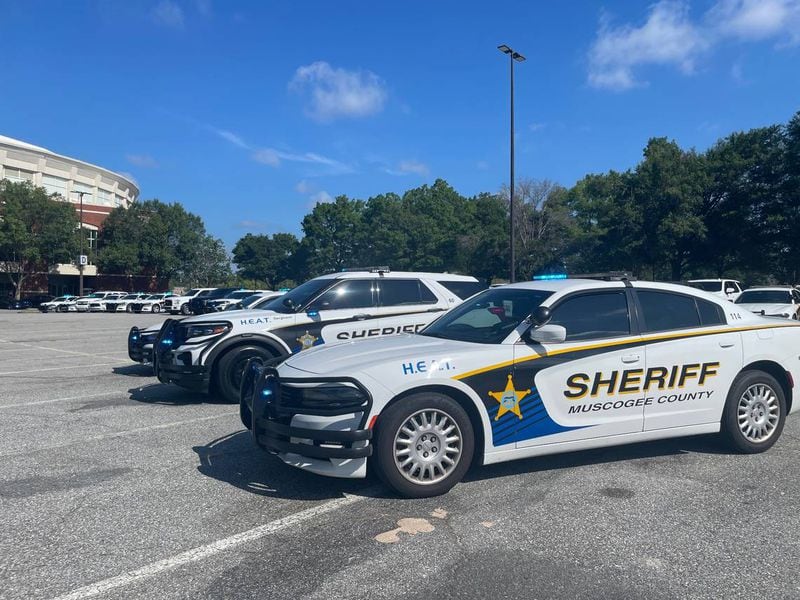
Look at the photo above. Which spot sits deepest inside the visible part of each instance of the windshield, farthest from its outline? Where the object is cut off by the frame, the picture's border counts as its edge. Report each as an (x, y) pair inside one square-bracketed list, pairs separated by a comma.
[(707, 286), (489, 317), (298, 297), (131, 297), (155, 297), (240, 294), (250, 300), (192, 292), (95, 296), (765, 297)]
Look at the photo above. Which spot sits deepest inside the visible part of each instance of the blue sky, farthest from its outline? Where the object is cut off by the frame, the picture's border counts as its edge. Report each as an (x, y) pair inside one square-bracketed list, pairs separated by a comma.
[(250, 112)]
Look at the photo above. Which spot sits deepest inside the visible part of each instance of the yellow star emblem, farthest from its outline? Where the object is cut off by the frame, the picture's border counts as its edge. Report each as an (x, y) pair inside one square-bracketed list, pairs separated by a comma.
[(509, 399), (306, 341)]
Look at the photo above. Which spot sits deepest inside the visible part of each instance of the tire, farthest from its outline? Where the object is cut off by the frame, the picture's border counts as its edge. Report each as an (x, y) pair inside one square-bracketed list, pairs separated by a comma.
[(62, 309), (229, 368), (418, 413), (128, 308), (185, 309), (156, 308), (755, 412)]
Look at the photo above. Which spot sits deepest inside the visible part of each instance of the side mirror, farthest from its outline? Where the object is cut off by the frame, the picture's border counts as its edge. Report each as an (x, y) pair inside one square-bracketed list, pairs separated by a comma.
[(730, 290), (548, 334), (540, 316), (287, 302)]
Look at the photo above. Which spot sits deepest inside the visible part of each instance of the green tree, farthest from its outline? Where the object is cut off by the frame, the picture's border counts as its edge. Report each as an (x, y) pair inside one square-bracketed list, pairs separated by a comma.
[(266, 258), (36, 231), (153, 238), (333, 235), (210, 266)]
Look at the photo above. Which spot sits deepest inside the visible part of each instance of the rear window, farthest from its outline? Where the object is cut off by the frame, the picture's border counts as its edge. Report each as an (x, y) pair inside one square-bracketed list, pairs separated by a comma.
[(710, 313), (664, 311), (404, 292), (464, 289), (707, 286)]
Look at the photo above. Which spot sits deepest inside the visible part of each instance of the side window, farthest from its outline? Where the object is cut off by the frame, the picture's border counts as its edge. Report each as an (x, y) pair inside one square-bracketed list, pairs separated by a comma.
[(710, 313), (593, 316), (796, 296), (664, 311), (463, 289), (350, 293), (404, 292)]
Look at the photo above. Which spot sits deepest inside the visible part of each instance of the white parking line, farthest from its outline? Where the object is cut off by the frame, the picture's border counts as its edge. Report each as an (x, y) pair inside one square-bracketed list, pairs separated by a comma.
[(61, 368), (26, 345), (202, 552)]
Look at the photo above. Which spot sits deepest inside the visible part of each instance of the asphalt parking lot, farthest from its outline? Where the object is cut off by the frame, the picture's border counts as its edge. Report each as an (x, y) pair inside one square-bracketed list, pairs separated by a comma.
[(115, 486)]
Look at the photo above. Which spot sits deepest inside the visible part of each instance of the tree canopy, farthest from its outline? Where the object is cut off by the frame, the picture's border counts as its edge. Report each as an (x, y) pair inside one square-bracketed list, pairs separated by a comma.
[(36, 231)]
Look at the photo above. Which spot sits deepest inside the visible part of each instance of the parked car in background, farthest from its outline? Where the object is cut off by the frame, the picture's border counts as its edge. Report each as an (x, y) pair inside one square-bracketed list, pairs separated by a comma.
[(52, 305), (724, 288), (152, 303), (180, 304), (199, 305), (254, 301), (27, 302), (773, 301), (220, 304), (94, 301), (124, 303), (63, 304)]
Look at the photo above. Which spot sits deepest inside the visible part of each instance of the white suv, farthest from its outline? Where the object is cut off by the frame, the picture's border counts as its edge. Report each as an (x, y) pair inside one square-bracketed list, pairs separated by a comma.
[(210, 351), (724, 288), (180, 304)]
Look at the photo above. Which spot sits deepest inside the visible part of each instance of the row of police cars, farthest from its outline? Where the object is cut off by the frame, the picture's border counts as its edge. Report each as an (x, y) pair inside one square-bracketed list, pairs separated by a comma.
[(421, 375), (194, 301)]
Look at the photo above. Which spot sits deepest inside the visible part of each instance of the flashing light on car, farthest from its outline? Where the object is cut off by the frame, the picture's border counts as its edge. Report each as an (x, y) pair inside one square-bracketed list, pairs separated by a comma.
[(549, 276)]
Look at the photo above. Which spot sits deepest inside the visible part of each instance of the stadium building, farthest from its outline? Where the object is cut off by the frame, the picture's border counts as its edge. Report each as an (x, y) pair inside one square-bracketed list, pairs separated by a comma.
[(102, 191)]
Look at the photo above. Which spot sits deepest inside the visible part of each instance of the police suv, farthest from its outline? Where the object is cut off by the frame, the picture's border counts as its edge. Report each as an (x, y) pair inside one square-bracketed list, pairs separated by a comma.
[(525, 370), (210, 351)]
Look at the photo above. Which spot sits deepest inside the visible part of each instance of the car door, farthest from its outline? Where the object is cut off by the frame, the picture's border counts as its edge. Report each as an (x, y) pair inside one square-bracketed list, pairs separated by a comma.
[(345, 311), (406, 305), (692, 358), (588, 386)]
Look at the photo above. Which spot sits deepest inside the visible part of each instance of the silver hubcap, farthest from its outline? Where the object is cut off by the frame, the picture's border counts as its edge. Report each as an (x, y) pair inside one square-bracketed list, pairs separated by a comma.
[(758, 414), (427, 447)]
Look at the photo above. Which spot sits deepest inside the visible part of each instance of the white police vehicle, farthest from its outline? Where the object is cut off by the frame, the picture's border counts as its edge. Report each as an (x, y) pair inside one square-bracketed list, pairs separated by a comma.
[(783, 302), (210, 351), (180, 304), (529, 369)]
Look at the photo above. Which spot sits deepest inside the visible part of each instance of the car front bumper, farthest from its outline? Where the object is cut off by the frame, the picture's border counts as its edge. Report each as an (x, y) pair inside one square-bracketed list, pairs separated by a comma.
[(140, 347), (327, 441)]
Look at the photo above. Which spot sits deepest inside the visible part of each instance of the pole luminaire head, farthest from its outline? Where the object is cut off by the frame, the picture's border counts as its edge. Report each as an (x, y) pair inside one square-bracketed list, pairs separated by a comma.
[(514, 55)]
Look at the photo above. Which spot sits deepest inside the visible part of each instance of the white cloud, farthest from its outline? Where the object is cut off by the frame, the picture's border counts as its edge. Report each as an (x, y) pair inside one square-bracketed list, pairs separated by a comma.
[(408, 167), (267, 156), (304, 187), (335, 93), (168, 13), (537, 126), (321, 197), (142, 160), (231, 137), (668, 37), (756, 19)]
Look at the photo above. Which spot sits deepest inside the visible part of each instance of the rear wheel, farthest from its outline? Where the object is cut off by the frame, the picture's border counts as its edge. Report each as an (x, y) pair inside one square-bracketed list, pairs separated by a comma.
[(230, 368), (129, 308), (156, 308), (755, 412), (424, 445), (185, 309)]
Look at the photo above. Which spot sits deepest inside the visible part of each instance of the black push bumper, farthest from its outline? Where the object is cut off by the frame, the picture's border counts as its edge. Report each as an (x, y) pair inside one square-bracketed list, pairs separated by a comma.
[(272, 407), (171, 367), (136, 347)]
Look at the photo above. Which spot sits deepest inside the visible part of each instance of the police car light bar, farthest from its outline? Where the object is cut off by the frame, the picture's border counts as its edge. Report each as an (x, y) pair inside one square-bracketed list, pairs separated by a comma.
[(607, 276), (550, 276), (370, 269)]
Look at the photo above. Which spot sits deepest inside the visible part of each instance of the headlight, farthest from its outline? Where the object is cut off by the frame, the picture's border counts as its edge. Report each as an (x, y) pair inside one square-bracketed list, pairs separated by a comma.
[(206, 329), (330, 398)]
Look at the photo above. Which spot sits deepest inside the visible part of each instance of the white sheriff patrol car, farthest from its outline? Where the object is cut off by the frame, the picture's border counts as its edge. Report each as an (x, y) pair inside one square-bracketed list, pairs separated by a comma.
[(209, 352), (524, 370)]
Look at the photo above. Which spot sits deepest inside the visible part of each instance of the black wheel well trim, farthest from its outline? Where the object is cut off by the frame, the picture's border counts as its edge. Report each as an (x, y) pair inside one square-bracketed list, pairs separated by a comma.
[(229, 344), (463, 400), (778, 372)]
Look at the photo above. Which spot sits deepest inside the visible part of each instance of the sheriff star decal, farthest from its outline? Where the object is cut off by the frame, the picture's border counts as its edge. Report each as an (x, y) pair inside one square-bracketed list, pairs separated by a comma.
[(306, 341), (509, 399)]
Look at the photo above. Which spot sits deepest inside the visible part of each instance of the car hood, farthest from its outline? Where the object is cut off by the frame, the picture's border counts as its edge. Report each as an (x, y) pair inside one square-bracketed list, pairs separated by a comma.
[(769, 309), (347, 358)]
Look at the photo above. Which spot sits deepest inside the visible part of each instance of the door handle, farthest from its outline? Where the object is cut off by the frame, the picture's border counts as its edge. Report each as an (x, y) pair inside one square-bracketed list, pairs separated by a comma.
[(727, 344), (630, 358), (362, 317)]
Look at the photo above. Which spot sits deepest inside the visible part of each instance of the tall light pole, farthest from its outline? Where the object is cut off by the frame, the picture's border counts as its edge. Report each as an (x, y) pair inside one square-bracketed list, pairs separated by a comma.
[(80, 259), (513, 57)]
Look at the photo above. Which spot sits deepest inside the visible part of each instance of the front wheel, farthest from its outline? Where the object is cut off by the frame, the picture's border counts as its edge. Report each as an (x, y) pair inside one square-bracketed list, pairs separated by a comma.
[(156, 308), (424, 445), (755, 412), (230, 369)]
